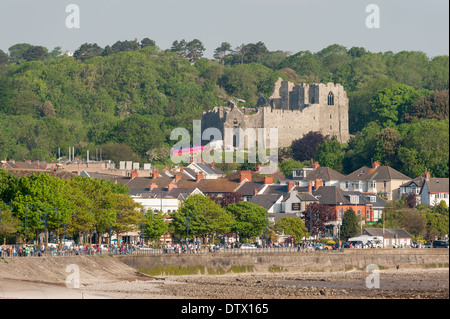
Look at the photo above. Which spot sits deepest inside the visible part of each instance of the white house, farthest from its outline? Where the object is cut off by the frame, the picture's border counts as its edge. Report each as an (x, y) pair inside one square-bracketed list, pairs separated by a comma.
[(435, 190)]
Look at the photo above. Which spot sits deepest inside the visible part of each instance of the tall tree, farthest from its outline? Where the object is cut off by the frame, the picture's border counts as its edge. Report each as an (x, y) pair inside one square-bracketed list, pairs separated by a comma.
[(36, 53), (350, 224), (292, 226), (250, 219), (315, 217), (221, 52), (146, 42), (195, 50), (391, 104), (305, 148), (87, 50)]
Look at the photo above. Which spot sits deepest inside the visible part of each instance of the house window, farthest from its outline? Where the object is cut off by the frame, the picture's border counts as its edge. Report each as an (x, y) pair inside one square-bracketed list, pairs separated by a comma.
[(330, 98), (359, 212), (341, 214), (384, 184), (373, 199), (346, 185)]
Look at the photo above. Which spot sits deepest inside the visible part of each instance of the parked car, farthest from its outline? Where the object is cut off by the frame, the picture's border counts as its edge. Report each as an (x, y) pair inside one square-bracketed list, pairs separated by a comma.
[(427, 245), (248, 246), (144, 247), (345, 245), (318, 246), (440, 244)]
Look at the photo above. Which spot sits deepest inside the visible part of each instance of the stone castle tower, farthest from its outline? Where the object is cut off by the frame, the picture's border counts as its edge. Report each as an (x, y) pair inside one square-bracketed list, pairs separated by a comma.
[(294, 110)]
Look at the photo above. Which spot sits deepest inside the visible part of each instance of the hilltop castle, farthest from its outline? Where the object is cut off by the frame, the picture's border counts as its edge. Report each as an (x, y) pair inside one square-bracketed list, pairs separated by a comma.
[(294, 109)]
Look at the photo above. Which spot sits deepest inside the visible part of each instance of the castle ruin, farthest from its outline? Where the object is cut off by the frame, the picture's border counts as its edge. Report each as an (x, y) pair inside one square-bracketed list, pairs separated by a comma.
[(294, 110)]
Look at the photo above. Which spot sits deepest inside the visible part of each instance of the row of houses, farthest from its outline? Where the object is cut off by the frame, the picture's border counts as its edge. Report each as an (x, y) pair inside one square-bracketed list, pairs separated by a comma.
[(366, 190)]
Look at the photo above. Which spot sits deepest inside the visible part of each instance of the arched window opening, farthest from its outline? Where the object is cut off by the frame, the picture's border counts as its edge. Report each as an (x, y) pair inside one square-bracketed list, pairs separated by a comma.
[(330, 98)]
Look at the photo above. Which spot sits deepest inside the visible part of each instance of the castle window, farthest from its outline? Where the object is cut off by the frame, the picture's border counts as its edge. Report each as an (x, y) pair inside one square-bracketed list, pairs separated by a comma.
[(330, 98)]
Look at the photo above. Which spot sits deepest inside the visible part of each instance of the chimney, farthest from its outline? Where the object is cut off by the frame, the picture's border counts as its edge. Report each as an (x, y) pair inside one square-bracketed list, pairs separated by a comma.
[(375, 164), (246, 175), (290, 186), (166, 169), (427, 175), (212, 164), (317, 183), (153, 186), (199, 176), (258, 167), (255, 192), (315, 165), (171, 186), (177, 177), (309, 187), (134, 174), (155, 173), (268, 180)]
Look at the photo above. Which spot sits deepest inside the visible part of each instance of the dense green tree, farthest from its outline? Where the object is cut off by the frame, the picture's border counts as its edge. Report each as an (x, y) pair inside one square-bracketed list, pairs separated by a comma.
[(222, 51), (331, 154), (286, 167), (36, 53), (146, 42), (433, 106), (194, 50), (250, 219), (87, 50), (17, 51), (350, 225), (202, 217), (155, 225), (3, 58), (390, 105), (291, 226)]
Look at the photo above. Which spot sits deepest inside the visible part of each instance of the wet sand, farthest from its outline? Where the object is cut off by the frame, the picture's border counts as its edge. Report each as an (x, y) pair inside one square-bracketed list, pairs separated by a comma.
[(393, 284)]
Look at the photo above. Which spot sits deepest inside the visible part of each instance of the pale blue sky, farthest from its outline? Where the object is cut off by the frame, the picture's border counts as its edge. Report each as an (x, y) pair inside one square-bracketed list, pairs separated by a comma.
[(288, 25)]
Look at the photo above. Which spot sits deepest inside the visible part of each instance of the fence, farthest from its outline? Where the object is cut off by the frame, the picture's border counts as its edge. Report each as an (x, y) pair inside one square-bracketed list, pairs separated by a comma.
[(30, 251)]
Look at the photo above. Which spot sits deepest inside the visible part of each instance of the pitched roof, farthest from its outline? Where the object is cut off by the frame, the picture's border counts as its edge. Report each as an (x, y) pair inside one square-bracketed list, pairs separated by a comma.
[(381, 172), (418, 181), (278, 216), (388, 232), (219, 185), (330, 195), (248, 188), (325, 174), (266, 201), (17, 172), (438, 185), (364, 198)]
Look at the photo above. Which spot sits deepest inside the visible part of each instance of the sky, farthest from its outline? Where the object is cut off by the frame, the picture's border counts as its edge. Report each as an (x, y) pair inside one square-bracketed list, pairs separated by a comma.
[(287, 25)]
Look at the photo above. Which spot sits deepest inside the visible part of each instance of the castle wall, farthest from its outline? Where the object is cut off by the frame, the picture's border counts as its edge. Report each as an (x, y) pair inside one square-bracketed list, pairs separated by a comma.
[(293, 110)]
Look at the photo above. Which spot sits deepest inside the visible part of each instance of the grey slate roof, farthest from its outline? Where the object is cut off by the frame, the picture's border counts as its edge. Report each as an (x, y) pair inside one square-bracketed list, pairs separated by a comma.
[(388, 232), (248, 188), (266, 201), (369, 173), (330, 195), (438, 185)]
